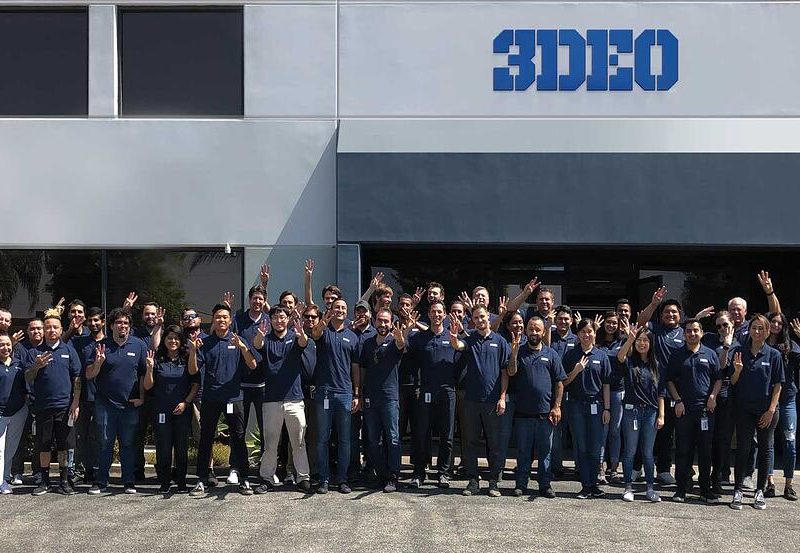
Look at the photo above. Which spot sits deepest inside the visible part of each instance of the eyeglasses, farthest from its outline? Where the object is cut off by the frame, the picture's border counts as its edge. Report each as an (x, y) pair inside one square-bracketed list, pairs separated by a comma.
[(189, 316)]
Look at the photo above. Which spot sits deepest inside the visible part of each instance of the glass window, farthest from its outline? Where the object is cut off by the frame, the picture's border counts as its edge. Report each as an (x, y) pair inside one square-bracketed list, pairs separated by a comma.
[(44, 62), (175, 279), (34, 280), (181, 62)]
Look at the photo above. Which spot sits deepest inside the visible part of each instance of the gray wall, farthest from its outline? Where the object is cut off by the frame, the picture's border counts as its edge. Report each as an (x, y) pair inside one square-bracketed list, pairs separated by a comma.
[(570, 198)]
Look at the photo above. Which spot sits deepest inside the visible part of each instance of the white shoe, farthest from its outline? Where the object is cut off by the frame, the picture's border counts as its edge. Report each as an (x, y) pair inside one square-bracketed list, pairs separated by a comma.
[(628, 495), (233, 477), (653, 497), (666, 478), (601, 478), (5, 489), (17, 480), (198, 491), (276, 480)]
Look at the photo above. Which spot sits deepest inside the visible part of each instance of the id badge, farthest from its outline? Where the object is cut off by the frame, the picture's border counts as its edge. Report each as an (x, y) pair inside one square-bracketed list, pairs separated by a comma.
[(672, 403), (162, 418), (427, 397), (229, 409), (593, 409), (326, 404), (635, 424), (704, 424), (628, 407), (366, 402)]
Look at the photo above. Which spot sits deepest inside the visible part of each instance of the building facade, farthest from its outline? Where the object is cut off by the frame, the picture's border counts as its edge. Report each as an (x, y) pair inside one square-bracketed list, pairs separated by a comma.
[(607, 147)]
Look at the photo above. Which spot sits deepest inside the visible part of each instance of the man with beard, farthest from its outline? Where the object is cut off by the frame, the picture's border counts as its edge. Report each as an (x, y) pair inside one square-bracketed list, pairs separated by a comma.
[(536, 380), (486, 354), (34, 336), (379, 364), (86, 440)]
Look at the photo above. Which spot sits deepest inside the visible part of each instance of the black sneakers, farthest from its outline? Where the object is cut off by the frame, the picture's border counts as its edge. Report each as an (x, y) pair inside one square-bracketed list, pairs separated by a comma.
[(789, 493), (344, 488), (547, 492), (444, 481), (472, 488), (42, 488), (597, 492), (323, 488)]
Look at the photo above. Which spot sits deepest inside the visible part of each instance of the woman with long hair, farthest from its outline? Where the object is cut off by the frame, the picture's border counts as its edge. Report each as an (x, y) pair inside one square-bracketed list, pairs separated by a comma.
[(643, 407), (174, 389), (13, 410), (780, 339), (587, 398), (609, 340)]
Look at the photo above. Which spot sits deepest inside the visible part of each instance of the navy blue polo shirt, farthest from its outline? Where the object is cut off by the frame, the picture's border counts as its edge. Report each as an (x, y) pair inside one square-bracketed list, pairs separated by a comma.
[(20, 351), (790, 374), (171, 384), (537, 374), (242, 321), (742, 334), (256, 377), (84, 347), (759, 374), (611, 349), (693, 375), (565, 344), (218, 361), (380, 363), (336, 351), (667, 341), (118, 379), (144, 335), (588, 385), (366, 334), (52, 387), (642, 388), (711, 340), (435, 357), (309, 366), (12, 388), (484, 360), (283, 367)]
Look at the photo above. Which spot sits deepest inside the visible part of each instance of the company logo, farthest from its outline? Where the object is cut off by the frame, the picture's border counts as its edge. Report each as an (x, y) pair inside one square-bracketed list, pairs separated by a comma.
[(605, 72)]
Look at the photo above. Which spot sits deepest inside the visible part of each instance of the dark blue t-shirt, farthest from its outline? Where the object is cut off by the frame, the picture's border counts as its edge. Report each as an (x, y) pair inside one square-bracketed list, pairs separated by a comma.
[(642, 387), (118, 379), (667, 341), (694, 375), (711, 340), (84, 347), (760, 372), (380, 363), (537, 374), (588, 385), (336, 352), (171, 384), (563, 345), (52, 387), (283, 367), (218, 362), (435, 357), (12, 388), (483, 360)]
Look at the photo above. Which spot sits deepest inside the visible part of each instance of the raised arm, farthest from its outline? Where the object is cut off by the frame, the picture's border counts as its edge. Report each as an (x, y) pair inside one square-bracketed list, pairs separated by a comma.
[(249, 360), (517, 301), (622, 354), (149, 363), (319, 328), (456, 328), (99, 358), (308, 275), (647, 313), (373, 285), (766, 284)]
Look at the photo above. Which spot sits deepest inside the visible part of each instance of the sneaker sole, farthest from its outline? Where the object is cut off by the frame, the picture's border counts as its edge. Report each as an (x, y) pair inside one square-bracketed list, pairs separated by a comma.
[(759, 507), (736, 507)]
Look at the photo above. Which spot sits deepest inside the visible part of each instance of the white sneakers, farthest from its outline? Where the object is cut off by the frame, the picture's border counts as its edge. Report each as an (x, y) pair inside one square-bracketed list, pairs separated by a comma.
[(5, 489), (652, 496), (233, 477), (628, 495)]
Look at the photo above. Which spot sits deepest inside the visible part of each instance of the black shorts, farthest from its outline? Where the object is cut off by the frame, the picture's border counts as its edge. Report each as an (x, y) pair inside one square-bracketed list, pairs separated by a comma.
[(51, 424)]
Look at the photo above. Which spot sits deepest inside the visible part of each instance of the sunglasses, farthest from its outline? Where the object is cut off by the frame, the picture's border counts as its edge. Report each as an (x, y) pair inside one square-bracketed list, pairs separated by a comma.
[(189, 316), (311, 316)]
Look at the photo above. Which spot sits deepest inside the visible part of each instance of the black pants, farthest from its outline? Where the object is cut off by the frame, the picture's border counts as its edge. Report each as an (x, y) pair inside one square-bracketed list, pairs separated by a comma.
[(358, 440), (477, 416), (663, 446), (87, 445), (252, 397), (18, 462), (746, 425), (209, 415), (172, 435), (408, 414), (691, 438), (439, 413), (145, 419), (724, 423)]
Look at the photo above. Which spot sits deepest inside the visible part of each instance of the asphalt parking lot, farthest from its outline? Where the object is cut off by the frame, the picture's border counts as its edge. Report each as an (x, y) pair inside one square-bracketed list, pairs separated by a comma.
[(428, 519)]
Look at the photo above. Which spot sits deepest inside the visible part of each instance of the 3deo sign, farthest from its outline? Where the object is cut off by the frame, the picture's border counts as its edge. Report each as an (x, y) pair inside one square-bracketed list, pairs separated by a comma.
[(548, 77)]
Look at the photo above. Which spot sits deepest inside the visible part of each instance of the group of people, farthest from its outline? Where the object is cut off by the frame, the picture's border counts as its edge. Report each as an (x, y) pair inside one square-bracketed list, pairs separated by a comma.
[(332, 384)]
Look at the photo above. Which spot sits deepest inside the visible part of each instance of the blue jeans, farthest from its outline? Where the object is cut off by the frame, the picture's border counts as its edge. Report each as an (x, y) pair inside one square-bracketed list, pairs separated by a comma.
[(787, 430), (587, 432), (338, 413), (113, 423), (506, 428), (533, 432), (643, 438), (382, 422), (612, 431)]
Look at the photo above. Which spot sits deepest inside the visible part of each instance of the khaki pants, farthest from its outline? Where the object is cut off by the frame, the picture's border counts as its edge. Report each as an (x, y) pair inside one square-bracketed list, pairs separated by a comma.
[(275, 414)]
